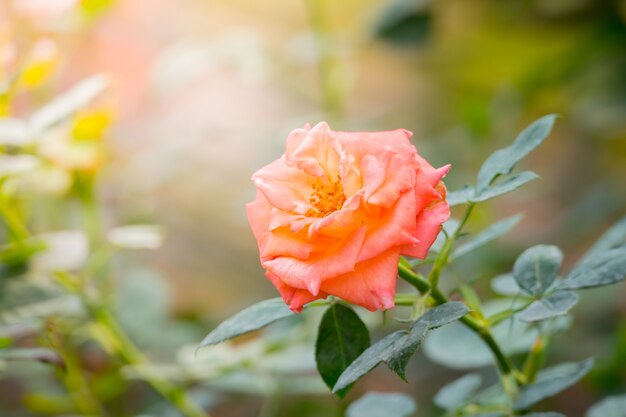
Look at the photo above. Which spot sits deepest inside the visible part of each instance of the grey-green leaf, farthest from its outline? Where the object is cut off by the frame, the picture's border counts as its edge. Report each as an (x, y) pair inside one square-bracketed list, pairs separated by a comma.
[(552, 381), (603, 269), (376, 404), (491, 233), (556, 304), (611, 239), (505, 284), (502, 161), (614, 406), (505, 186), (460, 196), (458, 393), (537, 267), (403, 349), (341, 338), (397, 348), (444, 314), (252, 318), (368, 360)]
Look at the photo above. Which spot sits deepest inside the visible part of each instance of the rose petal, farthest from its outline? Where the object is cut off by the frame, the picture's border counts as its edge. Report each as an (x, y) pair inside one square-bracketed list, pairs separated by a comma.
[(318, 153), (331, 261), (393, 229), (296, 298), (285, 187), (429, 223), (371, 285)]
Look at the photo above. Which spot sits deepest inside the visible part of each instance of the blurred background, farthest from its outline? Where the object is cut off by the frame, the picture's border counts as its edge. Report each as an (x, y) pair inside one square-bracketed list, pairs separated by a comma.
[(203, 93)]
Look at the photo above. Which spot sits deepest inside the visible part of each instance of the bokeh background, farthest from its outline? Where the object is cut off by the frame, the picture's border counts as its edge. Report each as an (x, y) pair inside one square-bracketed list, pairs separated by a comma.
[(203, 93)]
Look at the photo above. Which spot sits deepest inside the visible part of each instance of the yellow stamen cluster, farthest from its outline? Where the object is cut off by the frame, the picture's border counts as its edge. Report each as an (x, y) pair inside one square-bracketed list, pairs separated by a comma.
[(325, 199)]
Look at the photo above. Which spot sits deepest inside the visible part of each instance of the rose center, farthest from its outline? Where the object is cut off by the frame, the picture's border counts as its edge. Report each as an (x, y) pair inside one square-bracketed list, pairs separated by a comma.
[(325, 199)]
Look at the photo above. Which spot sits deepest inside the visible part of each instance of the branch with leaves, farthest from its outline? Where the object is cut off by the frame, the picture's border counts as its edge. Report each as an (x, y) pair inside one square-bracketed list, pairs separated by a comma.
[(541, 299)]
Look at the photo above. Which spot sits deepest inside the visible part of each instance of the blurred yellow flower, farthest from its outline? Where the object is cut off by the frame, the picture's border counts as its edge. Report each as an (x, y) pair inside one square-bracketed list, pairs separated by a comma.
[(91, 125), (40, 64)]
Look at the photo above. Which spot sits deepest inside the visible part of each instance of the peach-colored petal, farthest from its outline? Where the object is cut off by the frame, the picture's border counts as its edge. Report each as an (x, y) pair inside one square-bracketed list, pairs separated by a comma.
[(258, 213), (399, 176), (294, 297), (317, 153), (285, 187), (371, 285), (282, 242), (393, 229), (429, 223), (310, 273)]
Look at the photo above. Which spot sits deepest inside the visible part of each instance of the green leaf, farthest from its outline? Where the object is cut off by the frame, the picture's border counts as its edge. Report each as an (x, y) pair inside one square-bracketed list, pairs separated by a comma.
[(401, 352), (341, 338), (404, 23), (603, 269), (397, 348), (611, 239), (537, 267), (556, 304), (614, 406), (252, 318), (505, 284), (491, 233), (376, 404), (444, 314), (458, 347), (368, 360), (458, 393), (552, 381), (505, 186), (460, 196), (502, 161), (22, 300)]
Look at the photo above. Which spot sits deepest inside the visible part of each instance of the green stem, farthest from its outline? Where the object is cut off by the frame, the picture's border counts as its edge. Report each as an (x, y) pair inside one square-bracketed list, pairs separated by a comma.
[(75, 381), (17, 229), (133, 356), (535, 358), (481, 329), (442, 258)]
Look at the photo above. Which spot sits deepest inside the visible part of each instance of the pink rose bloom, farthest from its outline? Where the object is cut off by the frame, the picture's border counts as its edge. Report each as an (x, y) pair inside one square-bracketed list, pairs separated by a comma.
[(333, 214)]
